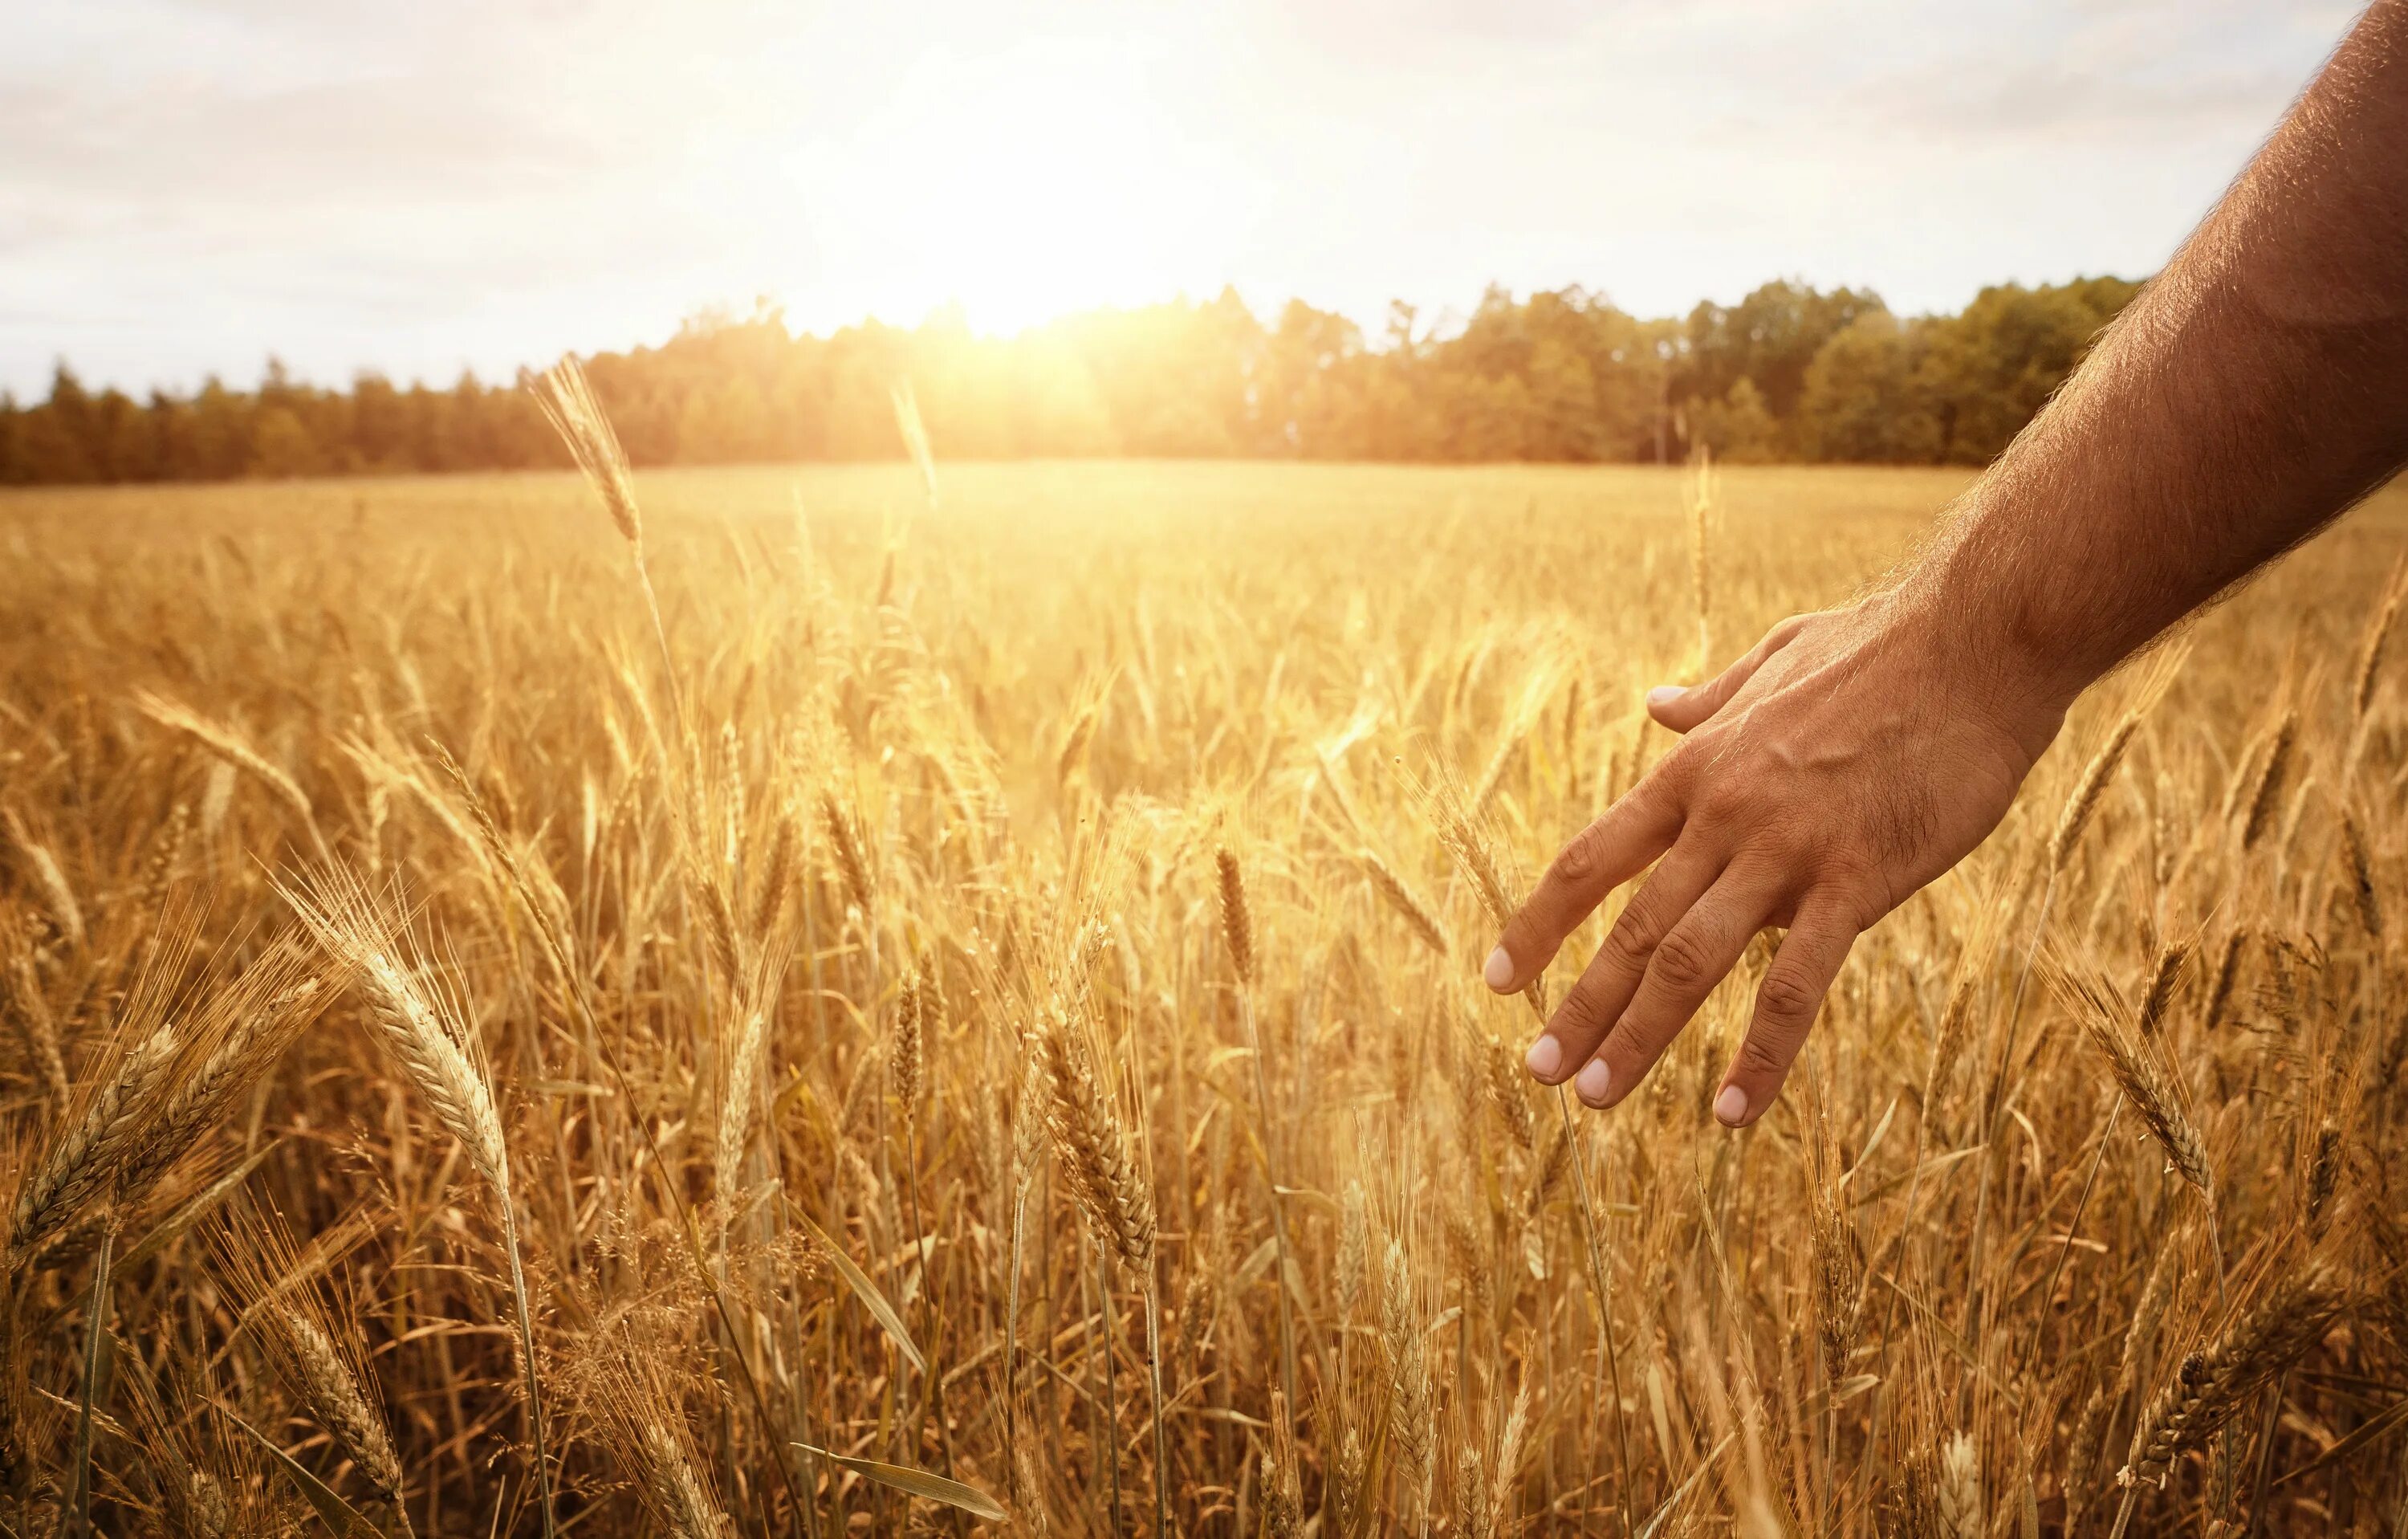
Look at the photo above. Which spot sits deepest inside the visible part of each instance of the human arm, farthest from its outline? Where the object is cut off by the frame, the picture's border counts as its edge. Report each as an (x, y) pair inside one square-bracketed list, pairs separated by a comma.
[(2253, 390)]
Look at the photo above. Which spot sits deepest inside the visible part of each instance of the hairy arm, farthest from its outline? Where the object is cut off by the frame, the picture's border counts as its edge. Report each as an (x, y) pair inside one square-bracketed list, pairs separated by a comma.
[(2257, 388)]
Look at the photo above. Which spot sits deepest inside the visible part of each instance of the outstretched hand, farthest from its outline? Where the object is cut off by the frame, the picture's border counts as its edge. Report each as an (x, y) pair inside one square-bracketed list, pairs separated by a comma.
[(1851, 757)]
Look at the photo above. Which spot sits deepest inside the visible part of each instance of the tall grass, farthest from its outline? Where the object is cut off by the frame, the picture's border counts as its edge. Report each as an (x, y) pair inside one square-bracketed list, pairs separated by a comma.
[(856, 1023)]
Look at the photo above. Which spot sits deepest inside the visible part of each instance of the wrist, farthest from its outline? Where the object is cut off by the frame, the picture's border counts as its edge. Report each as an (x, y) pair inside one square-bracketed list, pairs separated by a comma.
[(1981, 662)]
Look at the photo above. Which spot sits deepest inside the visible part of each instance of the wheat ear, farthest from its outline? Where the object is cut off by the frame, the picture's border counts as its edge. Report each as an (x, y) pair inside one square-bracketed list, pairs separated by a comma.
[(86, 1156), (1098, 1157), (2092, 1000), (646, 1431), (228, 746), (2082, 804), (422, 1028), (1408, 905), (315, 1348), (2213, 1383), (57, 895), (2267, 789)]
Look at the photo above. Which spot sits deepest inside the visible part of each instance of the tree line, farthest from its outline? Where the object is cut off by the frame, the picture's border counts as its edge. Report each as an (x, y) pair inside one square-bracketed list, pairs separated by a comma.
[(1789, 373)]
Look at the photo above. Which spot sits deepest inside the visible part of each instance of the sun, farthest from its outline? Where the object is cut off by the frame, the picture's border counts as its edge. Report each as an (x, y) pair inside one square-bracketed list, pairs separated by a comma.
[(1022, 185)]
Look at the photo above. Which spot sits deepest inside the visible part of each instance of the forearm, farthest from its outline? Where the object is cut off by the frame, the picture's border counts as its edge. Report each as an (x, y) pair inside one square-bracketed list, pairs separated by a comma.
[(2254, 390)]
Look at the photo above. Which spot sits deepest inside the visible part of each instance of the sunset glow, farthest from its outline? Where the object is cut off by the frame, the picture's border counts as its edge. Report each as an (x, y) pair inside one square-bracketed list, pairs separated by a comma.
[(192, 183)]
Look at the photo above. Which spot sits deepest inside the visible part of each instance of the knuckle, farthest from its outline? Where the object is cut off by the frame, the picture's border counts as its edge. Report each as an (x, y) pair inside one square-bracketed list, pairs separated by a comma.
[(1786, 999), (1758, 1059), (1725, 803), (1682, 961), (1666, 780), (1580, 860), (1632, 940), (1579, 1015)]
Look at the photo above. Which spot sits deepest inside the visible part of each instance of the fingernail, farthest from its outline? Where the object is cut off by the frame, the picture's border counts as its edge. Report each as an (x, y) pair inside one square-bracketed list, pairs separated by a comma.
[(1663, 694), (1592, 1082), (1545, 1058), (1731, 1107), (1500, 971)]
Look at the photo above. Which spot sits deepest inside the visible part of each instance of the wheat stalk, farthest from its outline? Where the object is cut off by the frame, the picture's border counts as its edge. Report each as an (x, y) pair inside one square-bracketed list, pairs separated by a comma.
[(1419, 917), (422, 1028), (2082, 804), (2267, 788), (2213, 1383), (89, 1151), (228, 746), (2091, 1000), (1097, 1156)]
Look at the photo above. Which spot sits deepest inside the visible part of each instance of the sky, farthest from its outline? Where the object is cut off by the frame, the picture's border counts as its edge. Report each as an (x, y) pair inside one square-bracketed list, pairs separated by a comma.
[(187, 186)]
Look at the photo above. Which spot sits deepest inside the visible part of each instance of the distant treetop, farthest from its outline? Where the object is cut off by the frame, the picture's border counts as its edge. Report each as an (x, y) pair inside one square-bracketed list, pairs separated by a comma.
[(1788, 373)]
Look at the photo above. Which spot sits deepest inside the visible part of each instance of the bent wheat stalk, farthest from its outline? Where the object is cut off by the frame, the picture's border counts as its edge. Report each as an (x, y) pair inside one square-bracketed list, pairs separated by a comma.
[(421, 1025)]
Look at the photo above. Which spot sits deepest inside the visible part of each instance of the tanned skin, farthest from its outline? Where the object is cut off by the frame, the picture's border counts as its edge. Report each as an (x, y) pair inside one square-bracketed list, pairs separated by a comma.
[(2254, 390)]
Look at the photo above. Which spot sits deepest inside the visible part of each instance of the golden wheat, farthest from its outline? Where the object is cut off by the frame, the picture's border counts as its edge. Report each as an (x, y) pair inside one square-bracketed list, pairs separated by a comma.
[(943, 995)]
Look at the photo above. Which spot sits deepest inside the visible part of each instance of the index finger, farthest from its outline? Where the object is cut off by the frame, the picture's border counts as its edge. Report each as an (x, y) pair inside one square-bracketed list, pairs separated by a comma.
[(1620, 844)]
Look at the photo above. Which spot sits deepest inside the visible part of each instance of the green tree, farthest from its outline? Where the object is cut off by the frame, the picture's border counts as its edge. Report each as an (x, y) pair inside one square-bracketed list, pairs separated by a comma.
[(1866, 399), (14, 471), (1767, 339), (1990, 367), (1739, 428), (280, 445)]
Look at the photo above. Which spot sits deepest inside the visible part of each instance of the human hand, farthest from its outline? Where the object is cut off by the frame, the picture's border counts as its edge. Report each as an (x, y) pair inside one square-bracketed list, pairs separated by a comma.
[(1852, 757)]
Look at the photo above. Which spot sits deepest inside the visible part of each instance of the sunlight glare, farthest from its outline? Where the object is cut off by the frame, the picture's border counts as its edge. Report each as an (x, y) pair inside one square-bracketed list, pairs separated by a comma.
[(1023, 184)]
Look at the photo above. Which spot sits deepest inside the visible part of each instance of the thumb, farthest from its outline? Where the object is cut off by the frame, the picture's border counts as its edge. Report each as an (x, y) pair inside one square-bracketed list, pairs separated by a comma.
[(1684, 709)]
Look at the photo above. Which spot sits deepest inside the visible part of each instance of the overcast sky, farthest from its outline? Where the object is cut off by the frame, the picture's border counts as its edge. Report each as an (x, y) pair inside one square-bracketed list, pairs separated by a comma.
[(188, 185)]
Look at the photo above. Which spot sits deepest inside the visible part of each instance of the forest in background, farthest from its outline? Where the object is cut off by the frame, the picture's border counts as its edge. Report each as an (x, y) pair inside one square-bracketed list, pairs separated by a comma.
[(1790, 373)]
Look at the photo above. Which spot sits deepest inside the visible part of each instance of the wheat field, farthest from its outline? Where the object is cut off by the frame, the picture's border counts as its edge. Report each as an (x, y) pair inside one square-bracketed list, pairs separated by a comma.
[(964, 1016)]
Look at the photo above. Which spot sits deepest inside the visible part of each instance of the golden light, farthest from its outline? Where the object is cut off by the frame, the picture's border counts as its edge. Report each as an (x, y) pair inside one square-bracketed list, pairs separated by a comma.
[(1027, 183)]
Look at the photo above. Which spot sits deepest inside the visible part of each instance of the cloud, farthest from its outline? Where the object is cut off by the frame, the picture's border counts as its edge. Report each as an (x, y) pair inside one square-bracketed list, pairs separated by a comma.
[(191, 182)]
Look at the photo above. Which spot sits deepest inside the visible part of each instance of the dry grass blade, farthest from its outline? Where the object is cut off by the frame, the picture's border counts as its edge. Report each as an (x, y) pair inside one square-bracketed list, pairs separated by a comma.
[(934, 1488), (866, 1292)]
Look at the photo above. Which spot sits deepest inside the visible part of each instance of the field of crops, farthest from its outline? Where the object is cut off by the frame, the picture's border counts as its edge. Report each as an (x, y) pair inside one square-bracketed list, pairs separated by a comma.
[(971, 1021)]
